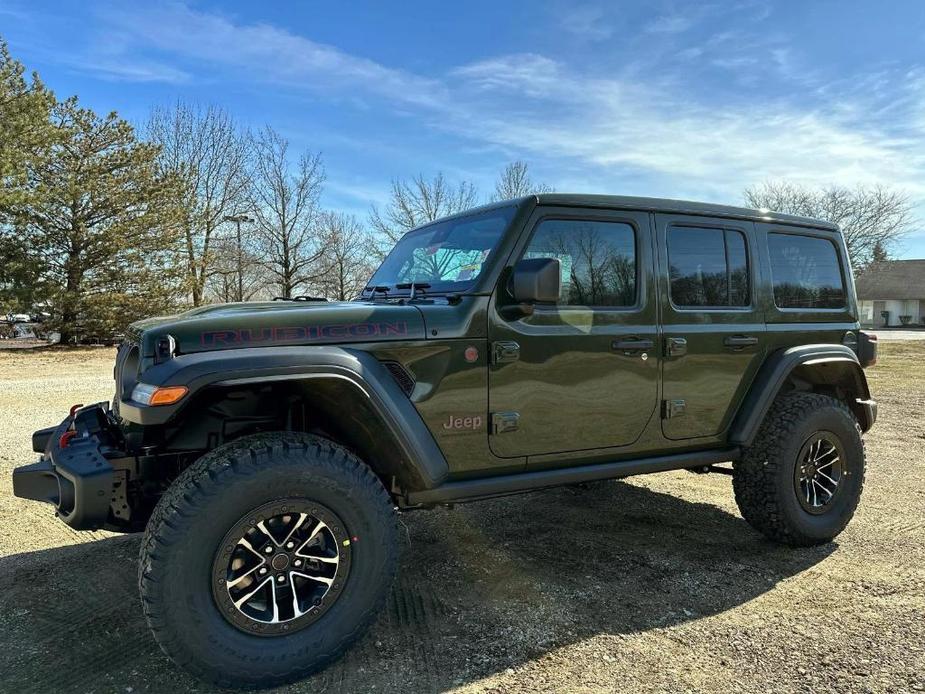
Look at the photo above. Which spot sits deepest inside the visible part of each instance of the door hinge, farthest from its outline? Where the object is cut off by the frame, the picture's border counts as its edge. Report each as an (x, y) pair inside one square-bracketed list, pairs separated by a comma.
[(504, 352), (503, 422), (673, 408)]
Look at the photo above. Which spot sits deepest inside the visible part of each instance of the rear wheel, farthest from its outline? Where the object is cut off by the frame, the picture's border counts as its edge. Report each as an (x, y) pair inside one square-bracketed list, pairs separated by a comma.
[(266, 559), (800, 482)]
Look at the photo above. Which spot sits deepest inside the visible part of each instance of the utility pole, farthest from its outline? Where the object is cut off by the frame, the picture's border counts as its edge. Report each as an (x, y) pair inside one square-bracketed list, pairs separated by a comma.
[(237, 219)]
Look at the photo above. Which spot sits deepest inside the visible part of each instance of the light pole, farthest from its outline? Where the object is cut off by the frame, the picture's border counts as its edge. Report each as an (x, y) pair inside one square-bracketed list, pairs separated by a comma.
[(237, 219)]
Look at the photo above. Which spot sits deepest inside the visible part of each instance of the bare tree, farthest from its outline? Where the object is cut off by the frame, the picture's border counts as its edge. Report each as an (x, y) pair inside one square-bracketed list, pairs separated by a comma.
[(347, 256), (514, 182), (228, 265), (208, 152), (285, 204), (872, 219), (420, 201)]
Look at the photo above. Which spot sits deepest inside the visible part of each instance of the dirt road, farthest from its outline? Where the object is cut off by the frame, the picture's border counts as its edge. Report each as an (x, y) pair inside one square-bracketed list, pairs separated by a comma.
[(650, 585)]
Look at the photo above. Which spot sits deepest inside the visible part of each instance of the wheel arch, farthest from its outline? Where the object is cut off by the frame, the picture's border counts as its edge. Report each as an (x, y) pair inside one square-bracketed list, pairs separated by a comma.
[(830, 369), (346, 395)]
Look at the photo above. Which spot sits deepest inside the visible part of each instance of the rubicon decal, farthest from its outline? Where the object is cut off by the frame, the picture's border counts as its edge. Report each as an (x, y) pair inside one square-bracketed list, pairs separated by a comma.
[(302, 333)]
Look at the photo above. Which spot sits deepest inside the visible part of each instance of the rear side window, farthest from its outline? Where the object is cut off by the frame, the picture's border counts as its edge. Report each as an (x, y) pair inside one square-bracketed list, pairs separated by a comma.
[(708, 267), (805, 272), (597, 260)]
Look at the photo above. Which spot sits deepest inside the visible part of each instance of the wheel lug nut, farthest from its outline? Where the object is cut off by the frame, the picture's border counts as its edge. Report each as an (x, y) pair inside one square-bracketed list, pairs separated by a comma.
[(281, 579), (269, 549), (263, 570), (290, 545), (297, 562)]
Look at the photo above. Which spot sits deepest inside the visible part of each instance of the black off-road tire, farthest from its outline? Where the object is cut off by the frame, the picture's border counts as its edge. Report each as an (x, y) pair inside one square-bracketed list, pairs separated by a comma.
[(763, 479), (189, 526)]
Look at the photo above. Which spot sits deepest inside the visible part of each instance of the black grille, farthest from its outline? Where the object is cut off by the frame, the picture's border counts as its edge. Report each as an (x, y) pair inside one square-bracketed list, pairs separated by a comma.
[(404, 379)]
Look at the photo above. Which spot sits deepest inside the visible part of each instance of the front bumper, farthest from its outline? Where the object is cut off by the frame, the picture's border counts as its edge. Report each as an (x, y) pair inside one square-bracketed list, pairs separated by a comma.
[(76, 478)]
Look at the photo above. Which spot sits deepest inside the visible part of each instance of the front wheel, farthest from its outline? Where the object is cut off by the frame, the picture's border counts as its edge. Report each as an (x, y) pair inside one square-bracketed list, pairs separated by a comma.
[(800, 482), (266, 559)]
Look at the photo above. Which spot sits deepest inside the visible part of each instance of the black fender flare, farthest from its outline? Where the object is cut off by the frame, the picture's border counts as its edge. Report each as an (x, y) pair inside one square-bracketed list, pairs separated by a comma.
[(355, 368), (834, 364)]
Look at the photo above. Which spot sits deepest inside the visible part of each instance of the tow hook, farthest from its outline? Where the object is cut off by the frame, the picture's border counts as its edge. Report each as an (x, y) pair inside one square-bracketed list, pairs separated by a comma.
[(66, 438)]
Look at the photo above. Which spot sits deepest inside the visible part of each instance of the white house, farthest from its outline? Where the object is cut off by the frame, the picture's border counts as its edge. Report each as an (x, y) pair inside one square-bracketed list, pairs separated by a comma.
[(894, 286)]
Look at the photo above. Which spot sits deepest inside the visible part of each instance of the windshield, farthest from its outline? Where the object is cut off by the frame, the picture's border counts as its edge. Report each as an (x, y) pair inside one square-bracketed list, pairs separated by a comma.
[(448, 256)]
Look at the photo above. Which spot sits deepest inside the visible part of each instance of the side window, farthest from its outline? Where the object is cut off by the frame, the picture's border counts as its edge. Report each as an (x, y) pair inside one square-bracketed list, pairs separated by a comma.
[(805, 272), (708, 267), (598, 260)]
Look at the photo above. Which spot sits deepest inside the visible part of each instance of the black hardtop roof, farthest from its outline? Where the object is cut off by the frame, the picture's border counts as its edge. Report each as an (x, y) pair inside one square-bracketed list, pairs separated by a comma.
[(677, 206), (628, 202)]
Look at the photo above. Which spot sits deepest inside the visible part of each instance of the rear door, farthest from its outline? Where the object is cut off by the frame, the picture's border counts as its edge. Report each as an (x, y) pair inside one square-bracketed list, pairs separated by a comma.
[(714, 332), (581, 374)]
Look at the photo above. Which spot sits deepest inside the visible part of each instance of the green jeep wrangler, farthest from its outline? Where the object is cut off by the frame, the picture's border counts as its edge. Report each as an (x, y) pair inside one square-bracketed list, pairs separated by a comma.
[(266, 448)]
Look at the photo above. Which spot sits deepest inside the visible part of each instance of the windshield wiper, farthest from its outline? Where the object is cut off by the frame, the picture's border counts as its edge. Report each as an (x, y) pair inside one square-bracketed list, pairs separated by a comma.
[(413, 286), (377, 289), (301, 297)]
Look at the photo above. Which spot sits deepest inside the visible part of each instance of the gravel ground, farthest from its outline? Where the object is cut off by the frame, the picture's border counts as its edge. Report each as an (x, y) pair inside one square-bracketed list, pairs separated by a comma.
[(655, 584)]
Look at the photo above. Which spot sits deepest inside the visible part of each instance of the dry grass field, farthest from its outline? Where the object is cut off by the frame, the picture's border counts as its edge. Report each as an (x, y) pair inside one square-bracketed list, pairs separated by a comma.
[(654, 584)]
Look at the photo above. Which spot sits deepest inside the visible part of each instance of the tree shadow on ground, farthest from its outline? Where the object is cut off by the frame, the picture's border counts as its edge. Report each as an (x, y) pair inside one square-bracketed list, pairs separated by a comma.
[(482, 588)]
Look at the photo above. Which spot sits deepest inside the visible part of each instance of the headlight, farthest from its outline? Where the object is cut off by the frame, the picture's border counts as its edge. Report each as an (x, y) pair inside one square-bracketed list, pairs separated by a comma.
[(147, 394)]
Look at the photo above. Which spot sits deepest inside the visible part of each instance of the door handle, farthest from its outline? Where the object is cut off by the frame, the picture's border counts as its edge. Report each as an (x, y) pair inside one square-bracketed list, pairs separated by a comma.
[(675, 347), (740, 341), (631, 345)]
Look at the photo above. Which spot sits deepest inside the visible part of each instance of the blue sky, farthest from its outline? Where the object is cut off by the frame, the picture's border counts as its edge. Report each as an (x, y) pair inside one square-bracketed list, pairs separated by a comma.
[(677, 99)]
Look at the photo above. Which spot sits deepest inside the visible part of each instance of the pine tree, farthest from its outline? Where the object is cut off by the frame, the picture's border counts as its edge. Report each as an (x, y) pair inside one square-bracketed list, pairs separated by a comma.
[(104, 226), (879, 254), (25, 139), (25, 131)]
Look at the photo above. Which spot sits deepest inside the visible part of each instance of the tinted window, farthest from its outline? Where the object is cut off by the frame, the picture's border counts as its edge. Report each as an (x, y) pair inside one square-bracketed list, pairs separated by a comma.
[(805, 272), (708, 267), (598, 260)]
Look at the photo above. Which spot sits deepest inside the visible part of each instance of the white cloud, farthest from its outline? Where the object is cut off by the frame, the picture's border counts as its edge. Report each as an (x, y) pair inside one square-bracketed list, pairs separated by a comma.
[(587, 22), (130, 71), (532, 75), (670, 24), (263, 52), (735, 62), (627, 128)]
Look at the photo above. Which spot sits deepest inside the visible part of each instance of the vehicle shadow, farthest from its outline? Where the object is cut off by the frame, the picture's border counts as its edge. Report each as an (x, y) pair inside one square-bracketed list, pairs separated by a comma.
[(482, 588)]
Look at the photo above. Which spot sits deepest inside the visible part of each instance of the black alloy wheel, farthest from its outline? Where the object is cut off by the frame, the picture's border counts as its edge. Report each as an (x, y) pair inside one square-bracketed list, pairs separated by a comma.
[(281, 567)]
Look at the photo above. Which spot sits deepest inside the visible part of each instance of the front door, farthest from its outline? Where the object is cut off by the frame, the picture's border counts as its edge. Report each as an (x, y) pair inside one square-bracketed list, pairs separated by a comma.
[(581, 374), (714, 331)]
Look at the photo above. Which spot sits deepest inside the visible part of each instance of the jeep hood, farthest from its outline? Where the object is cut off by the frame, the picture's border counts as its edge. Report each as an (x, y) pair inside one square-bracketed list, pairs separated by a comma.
[(258, 324)]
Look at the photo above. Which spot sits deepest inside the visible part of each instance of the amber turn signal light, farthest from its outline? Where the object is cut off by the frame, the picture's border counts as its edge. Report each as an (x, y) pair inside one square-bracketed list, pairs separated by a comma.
[(168, 395)]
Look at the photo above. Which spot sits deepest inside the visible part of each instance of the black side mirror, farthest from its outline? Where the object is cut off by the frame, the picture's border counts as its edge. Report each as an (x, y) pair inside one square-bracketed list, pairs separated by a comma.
[(537, 281)]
